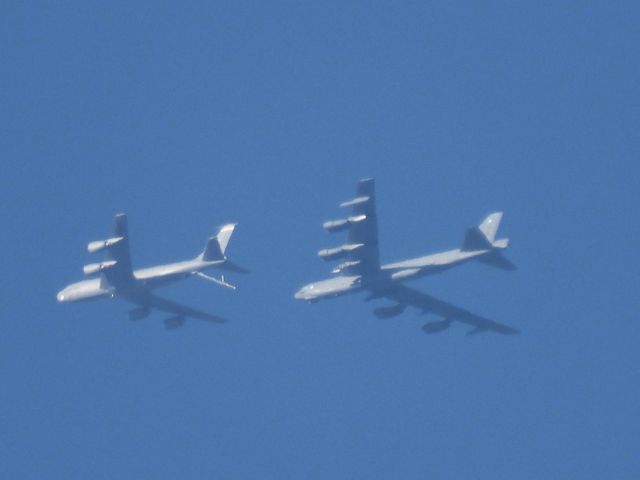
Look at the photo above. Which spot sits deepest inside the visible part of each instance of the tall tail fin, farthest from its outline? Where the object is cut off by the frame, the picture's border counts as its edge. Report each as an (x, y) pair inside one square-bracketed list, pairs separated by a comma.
[(489, 226), (216, 245), (483, 237)]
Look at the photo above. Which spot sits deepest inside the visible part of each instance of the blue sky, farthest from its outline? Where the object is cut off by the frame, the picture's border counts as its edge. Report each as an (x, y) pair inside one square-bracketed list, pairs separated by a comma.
[(190, 115)]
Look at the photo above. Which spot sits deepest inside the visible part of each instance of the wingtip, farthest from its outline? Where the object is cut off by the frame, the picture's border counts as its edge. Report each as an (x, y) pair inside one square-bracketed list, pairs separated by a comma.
[(365, 186)]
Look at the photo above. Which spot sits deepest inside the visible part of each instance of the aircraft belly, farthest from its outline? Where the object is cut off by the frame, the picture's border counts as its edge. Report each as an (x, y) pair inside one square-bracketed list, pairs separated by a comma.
[(166, 279), (163, 275)]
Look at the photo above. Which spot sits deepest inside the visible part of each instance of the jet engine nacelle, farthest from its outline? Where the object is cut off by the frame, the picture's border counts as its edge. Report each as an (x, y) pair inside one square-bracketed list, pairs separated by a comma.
[(406, 273), (338, 252), (343, 223), (355, 201), (437, 326), (172, 323), (139, 313), (388, 312), (98, 245), (345, 265), (97, 267)]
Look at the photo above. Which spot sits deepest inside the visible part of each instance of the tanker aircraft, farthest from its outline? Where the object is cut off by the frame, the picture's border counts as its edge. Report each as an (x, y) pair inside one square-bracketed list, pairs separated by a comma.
[(115, 278), (361, 269)]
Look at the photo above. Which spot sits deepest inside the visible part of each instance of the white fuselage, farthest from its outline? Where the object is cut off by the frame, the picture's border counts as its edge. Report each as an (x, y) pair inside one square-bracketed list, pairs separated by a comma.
[(144, 279), (391, 272)]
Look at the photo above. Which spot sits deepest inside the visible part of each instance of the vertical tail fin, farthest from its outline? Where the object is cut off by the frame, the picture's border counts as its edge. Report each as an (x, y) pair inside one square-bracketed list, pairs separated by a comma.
[(483, 237), (217, 245), (489, 226)]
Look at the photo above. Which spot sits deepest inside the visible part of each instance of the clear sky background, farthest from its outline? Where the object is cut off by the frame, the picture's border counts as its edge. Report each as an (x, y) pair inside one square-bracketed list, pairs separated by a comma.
[(187, 115)]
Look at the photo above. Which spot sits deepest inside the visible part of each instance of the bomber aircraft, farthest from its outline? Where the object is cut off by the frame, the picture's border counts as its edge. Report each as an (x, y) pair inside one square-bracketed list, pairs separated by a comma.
[(116, 278), (361, 269)]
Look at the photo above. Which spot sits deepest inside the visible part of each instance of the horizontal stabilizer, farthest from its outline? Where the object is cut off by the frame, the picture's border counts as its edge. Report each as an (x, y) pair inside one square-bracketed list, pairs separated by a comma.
[(501, 244)]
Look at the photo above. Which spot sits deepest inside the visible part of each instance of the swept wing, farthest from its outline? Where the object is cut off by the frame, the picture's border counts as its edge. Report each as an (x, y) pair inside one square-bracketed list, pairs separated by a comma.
[(361, 252), (407, 296), (117, 269)]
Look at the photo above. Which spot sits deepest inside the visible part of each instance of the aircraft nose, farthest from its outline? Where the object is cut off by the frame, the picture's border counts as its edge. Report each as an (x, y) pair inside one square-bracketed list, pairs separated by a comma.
[(305, 293), (60, 296), (302, 294)]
